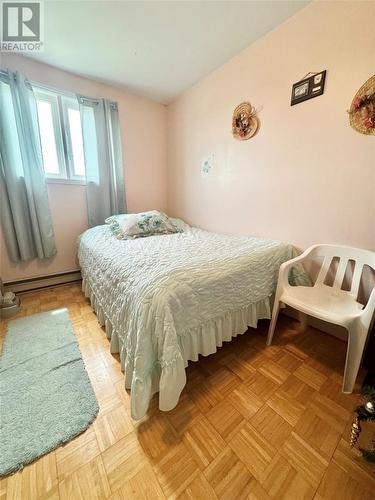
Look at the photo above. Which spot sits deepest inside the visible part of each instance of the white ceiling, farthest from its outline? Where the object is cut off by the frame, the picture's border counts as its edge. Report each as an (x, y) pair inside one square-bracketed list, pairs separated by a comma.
[(154, 48)]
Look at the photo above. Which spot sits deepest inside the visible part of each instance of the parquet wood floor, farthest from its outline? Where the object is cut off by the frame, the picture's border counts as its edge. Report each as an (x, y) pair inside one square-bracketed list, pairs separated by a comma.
[(253, 422)]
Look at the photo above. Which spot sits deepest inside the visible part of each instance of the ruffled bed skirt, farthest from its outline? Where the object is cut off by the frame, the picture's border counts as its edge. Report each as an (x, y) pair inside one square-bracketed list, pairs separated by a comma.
[(170, 379)]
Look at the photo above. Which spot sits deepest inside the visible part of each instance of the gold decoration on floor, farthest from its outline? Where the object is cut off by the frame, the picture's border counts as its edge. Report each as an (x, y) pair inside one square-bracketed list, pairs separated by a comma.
[(355, 432)]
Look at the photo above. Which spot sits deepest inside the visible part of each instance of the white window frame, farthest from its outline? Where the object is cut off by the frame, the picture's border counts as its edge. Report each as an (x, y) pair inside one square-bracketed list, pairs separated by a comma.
[(53, 101), (60, 104)]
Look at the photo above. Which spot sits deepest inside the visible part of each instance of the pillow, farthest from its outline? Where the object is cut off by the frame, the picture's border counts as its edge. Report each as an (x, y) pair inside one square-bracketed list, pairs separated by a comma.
[(127, 226), (115, 222)]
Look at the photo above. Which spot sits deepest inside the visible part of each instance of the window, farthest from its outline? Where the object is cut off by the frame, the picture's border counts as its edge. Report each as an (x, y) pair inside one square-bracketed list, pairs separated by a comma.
[(60, 135)]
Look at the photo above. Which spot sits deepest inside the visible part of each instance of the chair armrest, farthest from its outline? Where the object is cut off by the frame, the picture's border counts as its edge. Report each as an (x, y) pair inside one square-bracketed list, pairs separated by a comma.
[(285, 266), (370, 306)]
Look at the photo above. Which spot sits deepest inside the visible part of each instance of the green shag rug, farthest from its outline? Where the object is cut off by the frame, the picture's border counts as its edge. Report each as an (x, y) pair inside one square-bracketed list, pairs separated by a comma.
[(46, 397)]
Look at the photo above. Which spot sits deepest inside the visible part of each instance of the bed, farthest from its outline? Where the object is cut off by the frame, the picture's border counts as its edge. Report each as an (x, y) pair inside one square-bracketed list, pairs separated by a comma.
[(166, 299)]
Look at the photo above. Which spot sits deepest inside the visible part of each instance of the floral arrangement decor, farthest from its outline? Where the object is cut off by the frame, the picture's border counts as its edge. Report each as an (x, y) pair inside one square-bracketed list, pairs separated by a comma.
[(245, 122), (362, 109), (364, 413)]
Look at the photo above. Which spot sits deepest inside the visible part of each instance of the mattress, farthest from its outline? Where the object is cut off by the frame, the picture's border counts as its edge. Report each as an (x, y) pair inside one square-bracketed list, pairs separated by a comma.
[(166, 299)]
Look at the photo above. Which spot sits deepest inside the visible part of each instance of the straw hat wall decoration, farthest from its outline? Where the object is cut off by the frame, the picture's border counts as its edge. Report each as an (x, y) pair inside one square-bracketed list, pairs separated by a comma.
[(362, 109), (245, 122)]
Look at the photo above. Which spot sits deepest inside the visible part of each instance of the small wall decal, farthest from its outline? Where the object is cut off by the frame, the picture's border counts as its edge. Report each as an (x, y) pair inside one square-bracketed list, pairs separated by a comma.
[(362, 109), (245, 122), (207, 166), (310, 86)]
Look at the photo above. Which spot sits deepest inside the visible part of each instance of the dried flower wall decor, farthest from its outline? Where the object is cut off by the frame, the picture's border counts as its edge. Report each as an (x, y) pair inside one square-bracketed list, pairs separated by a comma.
[(245, 122), (362, 109)]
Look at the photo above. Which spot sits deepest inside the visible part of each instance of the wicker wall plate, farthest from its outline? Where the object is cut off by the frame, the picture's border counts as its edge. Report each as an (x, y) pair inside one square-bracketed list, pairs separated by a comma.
[(357, 116), (245, 122)]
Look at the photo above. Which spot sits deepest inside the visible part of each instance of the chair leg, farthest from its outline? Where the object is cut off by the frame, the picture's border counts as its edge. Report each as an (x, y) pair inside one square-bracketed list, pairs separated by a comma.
[(356, 343), (275, 313), (303, 321)]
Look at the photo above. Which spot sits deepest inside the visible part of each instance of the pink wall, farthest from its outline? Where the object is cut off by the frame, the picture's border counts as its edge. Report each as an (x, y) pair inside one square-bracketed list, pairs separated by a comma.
[(306, 177), (143, 127)]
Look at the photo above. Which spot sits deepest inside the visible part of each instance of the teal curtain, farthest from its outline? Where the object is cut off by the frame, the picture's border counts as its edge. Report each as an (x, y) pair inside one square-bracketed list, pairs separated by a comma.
[(105, 190), (25, 213)]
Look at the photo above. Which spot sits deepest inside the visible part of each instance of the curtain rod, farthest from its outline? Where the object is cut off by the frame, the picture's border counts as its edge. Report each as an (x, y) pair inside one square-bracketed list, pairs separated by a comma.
[(4, 73), (52, 89), (92, 100), (89, 100)]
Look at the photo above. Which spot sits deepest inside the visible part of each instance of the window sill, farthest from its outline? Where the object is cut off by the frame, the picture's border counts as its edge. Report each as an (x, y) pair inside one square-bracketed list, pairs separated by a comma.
[(74, 182)]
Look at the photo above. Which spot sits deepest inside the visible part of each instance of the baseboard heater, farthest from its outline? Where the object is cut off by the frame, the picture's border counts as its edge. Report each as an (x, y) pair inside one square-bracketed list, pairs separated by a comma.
[(29, 284)]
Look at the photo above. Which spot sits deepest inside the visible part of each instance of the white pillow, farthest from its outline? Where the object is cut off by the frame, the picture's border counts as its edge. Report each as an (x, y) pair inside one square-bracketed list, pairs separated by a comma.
[(126, 226)]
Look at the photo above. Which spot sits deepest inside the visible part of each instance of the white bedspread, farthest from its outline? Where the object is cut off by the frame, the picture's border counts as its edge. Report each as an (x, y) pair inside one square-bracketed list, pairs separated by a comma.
[(166, 299)]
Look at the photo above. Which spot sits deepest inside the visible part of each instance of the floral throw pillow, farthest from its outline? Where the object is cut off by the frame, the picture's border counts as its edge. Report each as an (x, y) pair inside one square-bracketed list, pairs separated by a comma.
[(141, 225)]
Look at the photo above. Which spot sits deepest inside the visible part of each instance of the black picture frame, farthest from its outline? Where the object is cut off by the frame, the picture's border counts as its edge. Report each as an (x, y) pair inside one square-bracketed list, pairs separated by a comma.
[(308, 88)]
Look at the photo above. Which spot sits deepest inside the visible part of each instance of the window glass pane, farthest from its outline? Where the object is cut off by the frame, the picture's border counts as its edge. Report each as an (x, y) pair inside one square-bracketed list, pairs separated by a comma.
[(77, 142), (47, 137)]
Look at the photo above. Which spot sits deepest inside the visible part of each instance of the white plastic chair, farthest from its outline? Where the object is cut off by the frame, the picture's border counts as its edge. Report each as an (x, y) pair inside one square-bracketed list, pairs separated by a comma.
[(331, 303)]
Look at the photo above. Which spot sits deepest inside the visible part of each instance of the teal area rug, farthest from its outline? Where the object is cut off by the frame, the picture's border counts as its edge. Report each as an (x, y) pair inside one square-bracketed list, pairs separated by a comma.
[(46, 397)]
